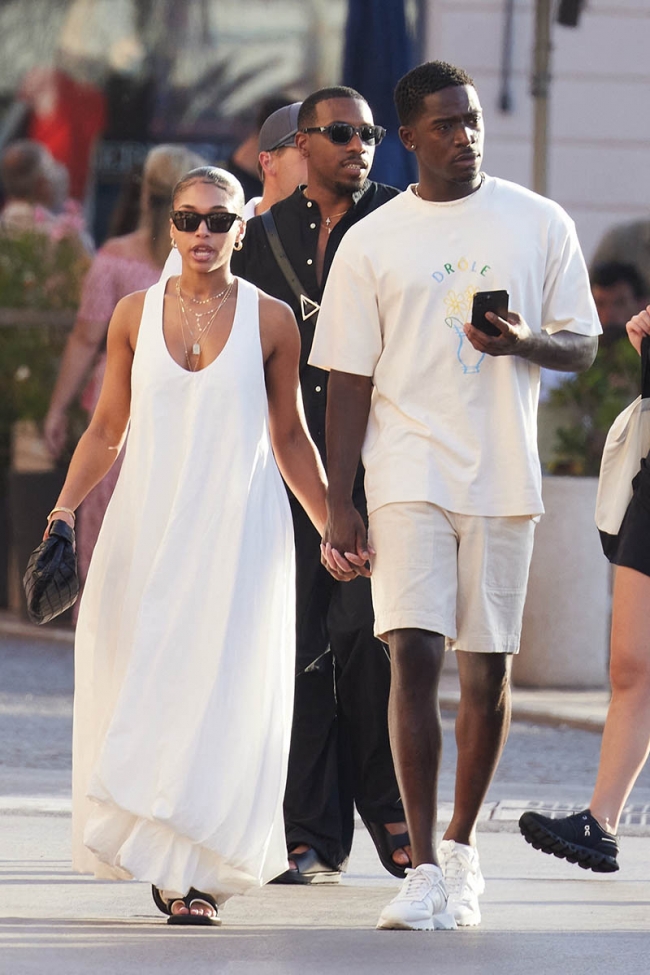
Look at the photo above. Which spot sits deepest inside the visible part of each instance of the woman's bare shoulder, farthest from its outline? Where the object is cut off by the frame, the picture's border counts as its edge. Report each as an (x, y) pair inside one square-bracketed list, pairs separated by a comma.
[(128, 312), (274, 312), (125, 322), (130, 304), (278, 328)]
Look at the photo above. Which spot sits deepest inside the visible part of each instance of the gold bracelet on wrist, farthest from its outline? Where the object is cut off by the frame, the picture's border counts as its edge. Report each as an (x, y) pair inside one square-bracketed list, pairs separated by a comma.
[(68, 511)]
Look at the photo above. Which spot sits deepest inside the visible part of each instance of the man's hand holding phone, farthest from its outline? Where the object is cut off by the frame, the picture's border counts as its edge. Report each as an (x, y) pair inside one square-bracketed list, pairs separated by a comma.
[(495, 330)]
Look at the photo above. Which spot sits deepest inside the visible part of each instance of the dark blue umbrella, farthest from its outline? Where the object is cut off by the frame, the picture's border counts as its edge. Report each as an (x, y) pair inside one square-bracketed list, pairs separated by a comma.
[(378, 51)]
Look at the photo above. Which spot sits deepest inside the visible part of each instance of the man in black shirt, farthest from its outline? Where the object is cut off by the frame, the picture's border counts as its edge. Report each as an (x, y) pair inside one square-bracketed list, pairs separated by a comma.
[(340, 751)]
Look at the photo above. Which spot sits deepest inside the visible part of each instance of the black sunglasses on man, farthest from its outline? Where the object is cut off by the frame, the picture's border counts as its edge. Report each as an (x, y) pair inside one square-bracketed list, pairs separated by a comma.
[(340, 133)]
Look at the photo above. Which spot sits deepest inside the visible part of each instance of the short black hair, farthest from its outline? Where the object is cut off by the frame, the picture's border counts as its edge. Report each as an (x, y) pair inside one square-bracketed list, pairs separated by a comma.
[(426, 79), (307, 113), (609, 273)]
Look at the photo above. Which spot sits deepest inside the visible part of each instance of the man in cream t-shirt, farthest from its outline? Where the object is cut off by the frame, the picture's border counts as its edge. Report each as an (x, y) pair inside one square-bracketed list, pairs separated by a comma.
[(446, 416)]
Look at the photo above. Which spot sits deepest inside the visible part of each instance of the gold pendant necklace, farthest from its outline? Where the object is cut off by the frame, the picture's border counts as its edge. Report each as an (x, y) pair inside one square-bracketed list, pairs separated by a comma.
[(203, 301), (208, 312), (328, 220), (202, 331)]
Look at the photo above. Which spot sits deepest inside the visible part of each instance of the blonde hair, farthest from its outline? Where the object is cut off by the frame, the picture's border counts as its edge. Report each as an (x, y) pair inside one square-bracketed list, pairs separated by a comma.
[(163, 167)]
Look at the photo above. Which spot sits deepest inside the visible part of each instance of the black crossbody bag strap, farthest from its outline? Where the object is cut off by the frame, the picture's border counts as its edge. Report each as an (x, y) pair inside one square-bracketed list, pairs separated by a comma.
[(281, 256), (308, 308)]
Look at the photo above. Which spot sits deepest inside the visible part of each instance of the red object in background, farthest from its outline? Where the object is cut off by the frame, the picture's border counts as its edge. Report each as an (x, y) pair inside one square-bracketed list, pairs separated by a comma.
[(67, 116)]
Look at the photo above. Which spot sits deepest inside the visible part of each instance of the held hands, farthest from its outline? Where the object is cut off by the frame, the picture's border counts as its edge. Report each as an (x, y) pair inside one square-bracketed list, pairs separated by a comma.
[(637, 327), (515, 335), (344, 549)]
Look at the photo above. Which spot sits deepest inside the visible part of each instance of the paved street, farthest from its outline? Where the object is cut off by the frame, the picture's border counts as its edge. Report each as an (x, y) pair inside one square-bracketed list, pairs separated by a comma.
[(538, 912)]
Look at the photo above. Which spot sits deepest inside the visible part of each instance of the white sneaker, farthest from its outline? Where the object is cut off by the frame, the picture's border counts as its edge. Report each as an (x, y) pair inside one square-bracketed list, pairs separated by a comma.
[(421, 904), (463, 879)]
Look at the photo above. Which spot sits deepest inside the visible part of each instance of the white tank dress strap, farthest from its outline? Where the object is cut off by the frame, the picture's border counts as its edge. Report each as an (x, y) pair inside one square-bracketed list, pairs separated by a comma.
[(248, 307), (150, 340), (245, 337)]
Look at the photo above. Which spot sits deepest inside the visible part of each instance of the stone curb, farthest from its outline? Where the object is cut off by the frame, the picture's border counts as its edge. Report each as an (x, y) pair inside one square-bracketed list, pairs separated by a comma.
[(495, 817), (547, 714), (10, 625), (584, 710)]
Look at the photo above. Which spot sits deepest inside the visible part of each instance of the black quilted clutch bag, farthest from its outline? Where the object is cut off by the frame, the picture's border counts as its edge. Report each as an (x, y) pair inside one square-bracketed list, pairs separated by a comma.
[(51, 583)]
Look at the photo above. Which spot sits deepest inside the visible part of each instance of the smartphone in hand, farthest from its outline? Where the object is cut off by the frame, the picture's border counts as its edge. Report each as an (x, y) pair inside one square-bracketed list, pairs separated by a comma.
[(496, 301)]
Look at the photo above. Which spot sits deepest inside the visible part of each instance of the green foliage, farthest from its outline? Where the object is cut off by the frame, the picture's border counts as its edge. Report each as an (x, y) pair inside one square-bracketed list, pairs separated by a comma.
[(37, 271), (594, 399), (41, 273), (29, 362)]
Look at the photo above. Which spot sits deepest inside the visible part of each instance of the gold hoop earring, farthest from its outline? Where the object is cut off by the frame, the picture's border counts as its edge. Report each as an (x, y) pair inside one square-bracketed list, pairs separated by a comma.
[(173, 242), (238, 245)]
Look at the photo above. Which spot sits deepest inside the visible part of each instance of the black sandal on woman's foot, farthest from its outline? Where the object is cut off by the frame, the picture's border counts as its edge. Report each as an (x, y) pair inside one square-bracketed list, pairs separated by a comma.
[(162, 903), (386, 844), (193, 898)]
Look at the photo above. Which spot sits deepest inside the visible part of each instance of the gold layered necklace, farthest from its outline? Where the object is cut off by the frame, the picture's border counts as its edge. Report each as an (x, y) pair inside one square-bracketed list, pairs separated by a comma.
[(201, 329), (203, 301)]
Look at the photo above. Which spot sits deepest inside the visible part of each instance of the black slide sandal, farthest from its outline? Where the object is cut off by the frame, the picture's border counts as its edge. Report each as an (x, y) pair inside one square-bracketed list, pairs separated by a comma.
[(187, 919), (163, 905), (309, 870), (198, 920), (386, 843)]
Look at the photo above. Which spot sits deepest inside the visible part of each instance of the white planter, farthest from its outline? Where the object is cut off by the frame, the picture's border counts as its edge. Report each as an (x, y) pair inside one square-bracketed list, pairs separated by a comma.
[(565, 637)]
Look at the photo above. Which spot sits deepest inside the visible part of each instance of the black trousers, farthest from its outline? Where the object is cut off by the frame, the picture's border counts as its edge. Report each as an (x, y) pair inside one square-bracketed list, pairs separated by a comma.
[(340, 752)]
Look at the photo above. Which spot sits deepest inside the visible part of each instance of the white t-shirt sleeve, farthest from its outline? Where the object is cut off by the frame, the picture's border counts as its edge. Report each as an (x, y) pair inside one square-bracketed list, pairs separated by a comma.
[(173, 265), (348, 335), (249, 207), (567, 302)]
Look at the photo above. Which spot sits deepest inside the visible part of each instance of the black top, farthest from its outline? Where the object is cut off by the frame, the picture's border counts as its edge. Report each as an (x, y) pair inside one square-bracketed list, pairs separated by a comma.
[(298, 222)]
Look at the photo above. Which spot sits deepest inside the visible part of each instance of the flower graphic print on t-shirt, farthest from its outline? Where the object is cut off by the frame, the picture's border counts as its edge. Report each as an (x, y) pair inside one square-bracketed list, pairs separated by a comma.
[(458, 308)]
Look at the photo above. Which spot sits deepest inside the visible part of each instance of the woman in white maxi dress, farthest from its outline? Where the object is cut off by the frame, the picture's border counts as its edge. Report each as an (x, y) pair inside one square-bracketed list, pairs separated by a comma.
[(184, 651)]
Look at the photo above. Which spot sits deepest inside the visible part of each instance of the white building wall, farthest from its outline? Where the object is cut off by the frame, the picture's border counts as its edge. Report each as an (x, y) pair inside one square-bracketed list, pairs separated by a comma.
[(599, 110)]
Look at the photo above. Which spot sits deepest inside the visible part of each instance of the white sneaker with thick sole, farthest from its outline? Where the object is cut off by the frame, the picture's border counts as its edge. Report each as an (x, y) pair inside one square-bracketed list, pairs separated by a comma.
[(421, 904), (463, 880)]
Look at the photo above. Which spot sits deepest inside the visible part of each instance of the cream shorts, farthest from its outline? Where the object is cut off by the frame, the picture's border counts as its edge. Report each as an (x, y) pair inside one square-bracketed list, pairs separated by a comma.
[(464, 576)]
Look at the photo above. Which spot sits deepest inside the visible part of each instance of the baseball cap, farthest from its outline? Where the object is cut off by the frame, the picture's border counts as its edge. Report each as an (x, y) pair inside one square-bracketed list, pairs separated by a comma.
[(280, 128)]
